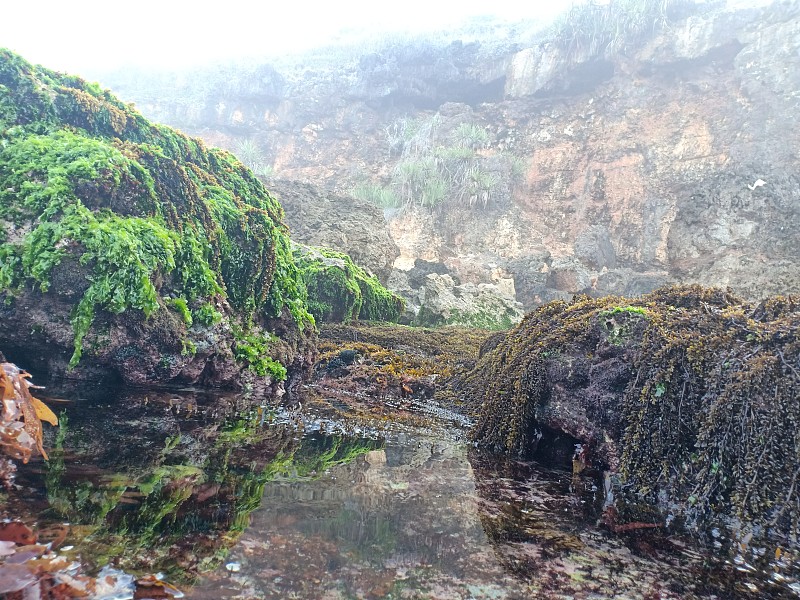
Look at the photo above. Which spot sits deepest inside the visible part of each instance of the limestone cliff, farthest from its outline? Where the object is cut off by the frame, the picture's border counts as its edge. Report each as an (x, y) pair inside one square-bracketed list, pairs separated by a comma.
[(614, 163)]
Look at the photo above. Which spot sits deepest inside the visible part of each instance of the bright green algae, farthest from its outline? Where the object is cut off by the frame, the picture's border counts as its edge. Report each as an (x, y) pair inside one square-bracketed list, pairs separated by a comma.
[(144, 211), (341, 291)]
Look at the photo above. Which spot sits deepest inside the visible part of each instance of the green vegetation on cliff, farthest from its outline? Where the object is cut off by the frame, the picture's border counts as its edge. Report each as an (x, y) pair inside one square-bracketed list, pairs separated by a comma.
[(139, 210), (697, 391), (442, 162), (591, 29), (341, 291)]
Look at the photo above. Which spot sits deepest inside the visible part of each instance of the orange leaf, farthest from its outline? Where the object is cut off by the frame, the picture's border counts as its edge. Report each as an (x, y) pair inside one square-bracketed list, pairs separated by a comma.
[(8, 386), (17, 532), (43, 412)]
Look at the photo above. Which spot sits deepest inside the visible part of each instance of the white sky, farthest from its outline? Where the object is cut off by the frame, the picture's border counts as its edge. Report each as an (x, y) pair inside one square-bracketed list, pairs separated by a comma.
[(80, 35)]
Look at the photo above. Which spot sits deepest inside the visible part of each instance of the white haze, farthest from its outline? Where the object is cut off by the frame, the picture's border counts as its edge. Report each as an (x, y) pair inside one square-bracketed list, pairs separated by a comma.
[(89, 35)]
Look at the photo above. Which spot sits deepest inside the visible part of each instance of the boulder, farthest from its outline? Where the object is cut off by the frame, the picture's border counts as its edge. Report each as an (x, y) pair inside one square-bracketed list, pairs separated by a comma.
[(686, 396), (482, 305), (133, 253), (341, 222)]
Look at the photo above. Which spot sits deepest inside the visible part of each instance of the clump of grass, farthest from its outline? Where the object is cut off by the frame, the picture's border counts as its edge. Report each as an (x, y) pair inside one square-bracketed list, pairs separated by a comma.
[(588, 30), (436, 168)]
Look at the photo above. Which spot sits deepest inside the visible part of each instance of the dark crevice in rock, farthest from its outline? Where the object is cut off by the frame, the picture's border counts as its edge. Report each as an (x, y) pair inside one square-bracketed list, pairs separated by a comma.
[(720, 59), (581, 79), (555, 449)]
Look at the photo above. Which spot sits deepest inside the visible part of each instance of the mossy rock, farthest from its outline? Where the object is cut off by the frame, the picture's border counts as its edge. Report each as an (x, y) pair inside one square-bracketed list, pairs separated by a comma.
[(108, 220), (690, 394), (340, 291)]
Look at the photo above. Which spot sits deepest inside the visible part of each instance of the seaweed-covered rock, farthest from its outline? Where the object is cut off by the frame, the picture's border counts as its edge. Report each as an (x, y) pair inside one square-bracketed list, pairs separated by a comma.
[(130, 250), (341, 291), (690, 394), (340, 222)]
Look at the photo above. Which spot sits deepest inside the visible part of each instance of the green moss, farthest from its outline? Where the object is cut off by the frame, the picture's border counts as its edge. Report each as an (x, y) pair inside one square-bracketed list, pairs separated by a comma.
[(341, 291), (141, 208), (254, 349), (207, 315), (629, 310), (618, 321), (182, 308), (188, 348)]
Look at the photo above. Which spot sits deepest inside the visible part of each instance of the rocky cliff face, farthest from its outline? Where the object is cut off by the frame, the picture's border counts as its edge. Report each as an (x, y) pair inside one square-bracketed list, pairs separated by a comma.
[(672, 159)]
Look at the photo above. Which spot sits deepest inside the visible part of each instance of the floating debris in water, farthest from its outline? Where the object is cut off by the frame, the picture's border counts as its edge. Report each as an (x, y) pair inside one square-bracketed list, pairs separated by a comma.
[(113, 584), (159, 587), (234, 567)]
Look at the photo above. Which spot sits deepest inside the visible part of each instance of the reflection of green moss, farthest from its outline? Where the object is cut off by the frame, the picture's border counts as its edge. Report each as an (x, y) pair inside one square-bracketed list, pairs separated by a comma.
[(318, 453), (152, 512), (366, 534)]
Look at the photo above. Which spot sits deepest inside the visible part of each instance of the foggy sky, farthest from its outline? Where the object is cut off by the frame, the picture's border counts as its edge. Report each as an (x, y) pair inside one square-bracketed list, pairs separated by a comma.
[(81, 35)]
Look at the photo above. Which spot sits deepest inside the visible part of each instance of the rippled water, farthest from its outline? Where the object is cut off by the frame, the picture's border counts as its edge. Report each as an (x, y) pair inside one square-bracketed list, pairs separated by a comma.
[(249, 502)]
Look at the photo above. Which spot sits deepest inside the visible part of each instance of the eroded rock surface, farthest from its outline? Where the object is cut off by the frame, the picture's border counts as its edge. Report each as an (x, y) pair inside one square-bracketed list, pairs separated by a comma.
[(639, 167), (320, 218)]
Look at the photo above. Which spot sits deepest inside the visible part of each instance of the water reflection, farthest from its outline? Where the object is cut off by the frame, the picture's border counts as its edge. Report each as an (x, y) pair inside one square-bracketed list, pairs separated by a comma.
[(160, 483), (426, 518), (397, 522), (235, 500)]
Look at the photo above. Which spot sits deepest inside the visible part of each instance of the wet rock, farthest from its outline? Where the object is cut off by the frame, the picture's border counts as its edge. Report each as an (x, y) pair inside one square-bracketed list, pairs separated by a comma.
[(165, 263), (650, 386)]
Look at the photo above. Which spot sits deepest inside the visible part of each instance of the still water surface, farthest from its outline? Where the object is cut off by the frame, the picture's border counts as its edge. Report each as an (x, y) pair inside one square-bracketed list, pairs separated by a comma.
[(237, 501)]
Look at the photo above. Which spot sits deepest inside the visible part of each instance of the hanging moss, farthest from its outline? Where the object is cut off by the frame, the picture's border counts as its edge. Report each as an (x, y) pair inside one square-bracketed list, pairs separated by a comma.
[(142, 209), (703, 406), (341, 291)]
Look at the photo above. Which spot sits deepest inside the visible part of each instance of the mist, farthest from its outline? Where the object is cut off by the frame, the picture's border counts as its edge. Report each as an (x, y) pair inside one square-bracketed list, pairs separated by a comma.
[(92, 35)]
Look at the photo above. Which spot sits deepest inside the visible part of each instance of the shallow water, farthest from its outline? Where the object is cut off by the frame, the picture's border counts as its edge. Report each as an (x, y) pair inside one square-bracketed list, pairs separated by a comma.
[(238, 501), (423, 518)]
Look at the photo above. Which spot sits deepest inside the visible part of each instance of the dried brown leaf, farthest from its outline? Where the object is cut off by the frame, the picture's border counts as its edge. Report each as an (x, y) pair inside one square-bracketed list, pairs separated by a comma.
[(17, 532), (43, 412)]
